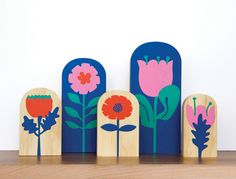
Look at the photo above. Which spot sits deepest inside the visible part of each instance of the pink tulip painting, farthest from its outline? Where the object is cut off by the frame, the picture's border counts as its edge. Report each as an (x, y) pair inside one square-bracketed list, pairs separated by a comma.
[(154, 75), (155, 80)]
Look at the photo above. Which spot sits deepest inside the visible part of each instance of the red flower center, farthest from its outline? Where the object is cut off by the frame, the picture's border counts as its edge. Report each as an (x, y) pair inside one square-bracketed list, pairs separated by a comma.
[(117, 107), (84, 78)]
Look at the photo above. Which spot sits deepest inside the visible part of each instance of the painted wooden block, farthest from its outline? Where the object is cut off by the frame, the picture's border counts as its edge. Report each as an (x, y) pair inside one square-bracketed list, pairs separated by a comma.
[(199, 126), (118, 121), (155, 80), (40, 123), (83, 82)]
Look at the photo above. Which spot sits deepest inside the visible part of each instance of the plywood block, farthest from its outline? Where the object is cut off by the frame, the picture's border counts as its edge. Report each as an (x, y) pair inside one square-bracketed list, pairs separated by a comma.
[(40, 123), (199, 126), (83, 82), (155, 79), (118, 125)]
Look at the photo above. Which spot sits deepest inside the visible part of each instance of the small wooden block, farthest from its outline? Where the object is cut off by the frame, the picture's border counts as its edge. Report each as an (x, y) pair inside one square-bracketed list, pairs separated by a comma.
[(199, 126), (118, 125), (40, 106), (83, 82), (155, 79)]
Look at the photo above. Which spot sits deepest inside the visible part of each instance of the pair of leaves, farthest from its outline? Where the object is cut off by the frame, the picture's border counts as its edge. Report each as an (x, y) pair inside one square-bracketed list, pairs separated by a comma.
[(112, 127), (75, 99), (30, 126), (169, 98), (73, 113), (73, 125)]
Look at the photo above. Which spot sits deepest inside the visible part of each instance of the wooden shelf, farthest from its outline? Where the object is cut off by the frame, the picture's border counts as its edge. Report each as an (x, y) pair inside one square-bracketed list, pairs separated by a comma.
[(85, 166)]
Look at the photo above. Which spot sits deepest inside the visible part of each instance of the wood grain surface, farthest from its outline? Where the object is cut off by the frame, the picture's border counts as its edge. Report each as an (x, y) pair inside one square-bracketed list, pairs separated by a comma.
[(88, 166)]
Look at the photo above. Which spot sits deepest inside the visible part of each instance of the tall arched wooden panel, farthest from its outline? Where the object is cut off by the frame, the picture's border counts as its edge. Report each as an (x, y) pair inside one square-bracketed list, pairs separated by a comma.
[(155, 79), (83, 82)]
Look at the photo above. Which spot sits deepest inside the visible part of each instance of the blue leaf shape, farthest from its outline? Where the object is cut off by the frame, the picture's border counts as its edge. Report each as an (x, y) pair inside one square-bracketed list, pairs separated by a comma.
[(200, 133), (127, 128), (109, 127), (49, 121), (29, 125)]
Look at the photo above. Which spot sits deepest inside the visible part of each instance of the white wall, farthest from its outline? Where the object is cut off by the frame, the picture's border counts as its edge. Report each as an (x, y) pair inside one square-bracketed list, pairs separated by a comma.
[(38, 38)]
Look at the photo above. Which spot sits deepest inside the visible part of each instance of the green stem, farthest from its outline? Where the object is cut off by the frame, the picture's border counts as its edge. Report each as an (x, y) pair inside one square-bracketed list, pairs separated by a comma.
[(155, 125), (209, 104), (83, 127), (194, 105)]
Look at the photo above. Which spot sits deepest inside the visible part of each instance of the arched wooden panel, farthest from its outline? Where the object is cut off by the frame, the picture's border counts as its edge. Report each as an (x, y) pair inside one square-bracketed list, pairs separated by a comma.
[(118, 125), (40, 123), (199, 126)]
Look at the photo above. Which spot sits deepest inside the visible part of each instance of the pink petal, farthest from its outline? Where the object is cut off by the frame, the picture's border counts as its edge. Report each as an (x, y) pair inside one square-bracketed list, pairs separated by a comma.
[(93, 70), (75, 87), (141, 63), (190, 115), (86, 68), (211, 116), (76, 70), (72, 78)]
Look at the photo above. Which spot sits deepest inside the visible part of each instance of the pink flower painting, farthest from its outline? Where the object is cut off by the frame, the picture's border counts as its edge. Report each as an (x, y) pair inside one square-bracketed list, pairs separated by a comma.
[(84, 78), (155, 80)]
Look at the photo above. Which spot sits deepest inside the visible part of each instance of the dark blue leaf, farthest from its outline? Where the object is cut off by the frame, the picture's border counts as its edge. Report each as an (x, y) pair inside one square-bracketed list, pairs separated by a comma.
[(49, 121), (200, 133), (109, 127), (29, 125), (127, 128)]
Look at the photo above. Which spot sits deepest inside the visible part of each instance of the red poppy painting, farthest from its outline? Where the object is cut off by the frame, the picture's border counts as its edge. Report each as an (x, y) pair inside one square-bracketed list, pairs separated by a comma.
[(117, 107)]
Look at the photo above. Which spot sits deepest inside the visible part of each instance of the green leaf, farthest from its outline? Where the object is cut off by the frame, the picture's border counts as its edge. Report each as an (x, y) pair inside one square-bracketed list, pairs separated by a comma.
[(93, 102), (92, 111), (72, 125), (91, 124), (169, 98), (74, 98), (72, 112), (146, 112), (144, 117)]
